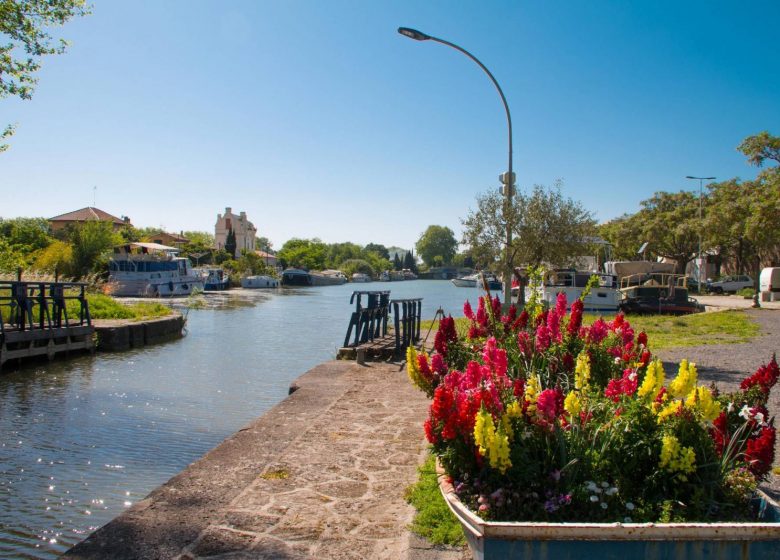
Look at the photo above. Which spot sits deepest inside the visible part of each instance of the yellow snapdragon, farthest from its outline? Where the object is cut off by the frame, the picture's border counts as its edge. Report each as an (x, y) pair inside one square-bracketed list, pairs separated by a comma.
[(571, 404), (684, 383), (582, 371), (413, 371), (701, 400), (532, 393), (653, 381), (677, 459), (493, 443)]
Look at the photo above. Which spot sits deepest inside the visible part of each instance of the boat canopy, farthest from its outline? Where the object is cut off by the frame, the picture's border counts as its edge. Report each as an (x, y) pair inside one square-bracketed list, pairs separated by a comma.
[(153, 246)]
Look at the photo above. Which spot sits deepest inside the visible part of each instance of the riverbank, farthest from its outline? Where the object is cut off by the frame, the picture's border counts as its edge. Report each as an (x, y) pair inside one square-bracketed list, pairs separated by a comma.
[(115, 335), (321, 475)]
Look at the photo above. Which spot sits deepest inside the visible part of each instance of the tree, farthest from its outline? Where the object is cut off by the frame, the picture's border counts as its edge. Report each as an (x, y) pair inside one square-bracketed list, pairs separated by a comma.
[(410, 262), (546, 227), (230, 243), (380, 250), (624, 235), (397, 264), (761, 147), (263, 244), (201, 238), (437, 241), (304, 253), (91, 242), (24, 25)]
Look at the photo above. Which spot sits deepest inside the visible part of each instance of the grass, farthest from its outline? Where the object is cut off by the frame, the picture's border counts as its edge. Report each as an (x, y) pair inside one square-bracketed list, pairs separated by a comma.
[(106, 307), (667, 331), (433, 520)]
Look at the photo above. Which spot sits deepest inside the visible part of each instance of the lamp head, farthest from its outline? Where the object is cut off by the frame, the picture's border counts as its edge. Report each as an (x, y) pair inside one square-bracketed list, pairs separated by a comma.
[(413, 34)]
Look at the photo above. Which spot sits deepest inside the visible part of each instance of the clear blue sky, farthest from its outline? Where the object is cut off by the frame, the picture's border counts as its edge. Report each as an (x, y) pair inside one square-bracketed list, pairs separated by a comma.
[(319, 120)]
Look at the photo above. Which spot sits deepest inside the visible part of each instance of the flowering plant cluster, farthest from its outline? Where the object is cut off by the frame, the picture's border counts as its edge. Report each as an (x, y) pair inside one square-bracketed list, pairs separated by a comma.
[(537, 417)]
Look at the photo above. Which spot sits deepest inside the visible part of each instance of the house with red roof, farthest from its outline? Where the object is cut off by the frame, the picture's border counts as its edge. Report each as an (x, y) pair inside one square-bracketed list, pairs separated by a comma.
[(88, 214)]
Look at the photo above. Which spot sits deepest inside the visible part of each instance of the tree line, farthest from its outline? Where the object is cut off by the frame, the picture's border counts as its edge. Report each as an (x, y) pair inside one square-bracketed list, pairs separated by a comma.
[(739, 226)]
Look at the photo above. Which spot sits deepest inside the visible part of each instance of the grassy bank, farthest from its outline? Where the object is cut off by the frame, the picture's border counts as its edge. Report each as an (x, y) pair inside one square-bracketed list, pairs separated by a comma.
[(667, 331), (106, 307)]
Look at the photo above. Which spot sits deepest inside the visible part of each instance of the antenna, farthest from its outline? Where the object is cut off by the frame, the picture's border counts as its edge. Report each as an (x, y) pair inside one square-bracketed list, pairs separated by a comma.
[(94, 195)]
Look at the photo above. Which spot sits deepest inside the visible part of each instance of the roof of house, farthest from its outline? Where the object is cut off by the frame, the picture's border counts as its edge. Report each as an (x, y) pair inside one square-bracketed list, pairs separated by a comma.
[(175, 237), (265, 255), (85, 214)]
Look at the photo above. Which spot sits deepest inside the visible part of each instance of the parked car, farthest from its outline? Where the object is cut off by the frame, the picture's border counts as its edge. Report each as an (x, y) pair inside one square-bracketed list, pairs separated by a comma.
[(730, 284)]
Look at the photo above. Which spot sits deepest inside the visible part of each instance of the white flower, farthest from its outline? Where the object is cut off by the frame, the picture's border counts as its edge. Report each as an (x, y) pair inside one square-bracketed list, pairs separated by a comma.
[(745, 412), (626, 520), (611, 491), (604, 505), (630, 506), (730, 407), (605, 484), (594, 498)]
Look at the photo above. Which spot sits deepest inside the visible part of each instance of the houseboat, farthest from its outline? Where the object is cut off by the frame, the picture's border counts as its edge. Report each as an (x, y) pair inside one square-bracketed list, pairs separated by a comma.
[(259, 281), (296, 277), (360, 277), (328, 278), (150, 270), (603, 298)]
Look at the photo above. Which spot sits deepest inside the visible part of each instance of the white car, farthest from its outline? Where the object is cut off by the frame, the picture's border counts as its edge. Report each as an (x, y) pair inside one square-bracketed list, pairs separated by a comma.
[(731, 284)]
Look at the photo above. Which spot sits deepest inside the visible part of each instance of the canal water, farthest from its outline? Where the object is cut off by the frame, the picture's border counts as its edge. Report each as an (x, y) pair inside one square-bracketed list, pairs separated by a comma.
[(83, 438)]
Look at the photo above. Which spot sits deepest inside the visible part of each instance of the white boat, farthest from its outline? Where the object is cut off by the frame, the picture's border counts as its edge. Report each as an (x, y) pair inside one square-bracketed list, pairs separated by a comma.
[(259, 281), (604, 298), (328, 278), (359, 277), (213, 279), (150, 270), (469, 281), (408, 274)]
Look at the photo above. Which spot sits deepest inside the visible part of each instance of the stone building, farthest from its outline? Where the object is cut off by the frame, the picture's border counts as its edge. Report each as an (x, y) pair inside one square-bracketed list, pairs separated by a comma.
[(243, 229)]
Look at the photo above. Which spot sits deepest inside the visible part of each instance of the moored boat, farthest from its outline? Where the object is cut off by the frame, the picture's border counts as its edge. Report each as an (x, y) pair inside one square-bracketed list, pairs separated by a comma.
[(259, 281), (328, 278), (359, 277), (150, 270), (603, 298), (469, 281), (657, 293), (296, 277), (214, 279)]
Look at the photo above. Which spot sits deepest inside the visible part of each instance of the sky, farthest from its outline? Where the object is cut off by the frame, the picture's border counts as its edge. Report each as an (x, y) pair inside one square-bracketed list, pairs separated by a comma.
[(318, 119)]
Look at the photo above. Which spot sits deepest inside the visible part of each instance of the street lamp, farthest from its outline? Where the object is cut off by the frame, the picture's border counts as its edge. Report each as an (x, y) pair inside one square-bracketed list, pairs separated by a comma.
[(507, 179), (700, 179)]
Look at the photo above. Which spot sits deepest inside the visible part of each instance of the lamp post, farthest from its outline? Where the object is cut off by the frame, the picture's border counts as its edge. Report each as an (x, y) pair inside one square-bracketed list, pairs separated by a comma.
[(508, 178), (700, 179)]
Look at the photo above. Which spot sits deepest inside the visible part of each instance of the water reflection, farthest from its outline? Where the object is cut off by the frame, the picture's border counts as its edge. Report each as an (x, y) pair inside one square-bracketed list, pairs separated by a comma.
[(84, 438)]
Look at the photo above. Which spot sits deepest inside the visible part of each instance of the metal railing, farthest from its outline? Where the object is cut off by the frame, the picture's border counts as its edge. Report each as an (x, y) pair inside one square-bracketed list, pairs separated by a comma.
[(369, 321), (27, 306)]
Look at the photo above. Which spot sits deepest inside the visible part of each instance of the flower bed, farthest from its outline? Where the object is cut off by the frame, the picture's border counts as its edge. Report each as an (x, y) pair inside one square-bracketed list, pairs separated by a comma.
[(537, 418)]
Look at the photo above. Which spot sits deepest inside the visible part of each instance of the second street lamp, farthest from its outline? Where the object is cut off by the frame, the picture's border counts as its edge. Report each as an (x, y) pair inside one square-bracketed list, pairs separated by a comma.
[(508, 179), (698, 265)]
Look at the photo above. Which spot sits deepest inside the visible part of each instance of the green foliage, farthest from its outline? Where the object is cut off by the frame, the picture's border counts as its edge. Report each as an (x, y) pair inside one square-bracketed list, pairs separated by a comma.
[(21, 239), (434, 520), (248, 264), (313, 254), (91, 245), (380, 250), (262, 244), (57, 257), (24, 25), (105, 307), (546, 228), (351, 266), (436, 241), (760, 147), (230, 242), (200, 238)]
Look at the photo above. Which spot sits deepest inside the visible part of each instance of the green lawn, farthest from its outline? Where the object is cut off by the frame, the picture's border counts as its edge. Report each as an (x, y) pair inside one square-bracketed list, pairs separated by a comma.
[(667, 331)]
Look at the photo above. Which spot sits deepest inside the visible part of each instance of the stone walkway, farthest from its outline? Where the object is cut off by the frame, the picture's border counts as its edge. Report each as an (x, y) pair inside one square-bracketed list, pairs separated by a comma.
[(321, 475)]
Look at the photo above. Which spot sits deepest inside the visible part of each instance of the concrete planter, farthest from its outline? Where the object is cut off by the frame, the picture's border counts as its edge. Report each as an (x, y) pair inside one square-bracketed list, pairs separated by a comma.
[(607, 541)]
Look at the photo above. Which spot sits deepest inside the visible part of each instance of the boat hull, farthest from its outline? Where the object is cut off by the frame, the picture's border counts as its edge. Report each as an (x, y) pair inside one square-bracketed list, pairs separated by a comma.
[(295, 277), (464, 282), (179, 287), (260, 281)]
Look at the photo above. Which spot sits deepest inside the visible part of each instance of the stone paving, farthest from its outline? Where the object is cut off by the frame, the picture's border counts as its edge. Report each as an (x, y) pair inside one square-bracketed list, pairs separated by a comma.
[(321, 475)]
